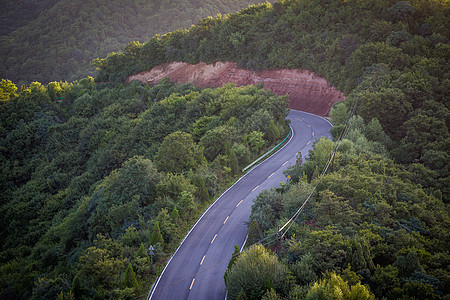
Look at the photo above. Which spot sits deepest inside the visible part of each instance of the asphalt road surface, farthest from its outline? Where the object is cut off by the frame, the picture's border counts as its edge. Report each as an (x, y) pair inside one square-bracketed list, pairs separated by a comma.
[(196, 269)]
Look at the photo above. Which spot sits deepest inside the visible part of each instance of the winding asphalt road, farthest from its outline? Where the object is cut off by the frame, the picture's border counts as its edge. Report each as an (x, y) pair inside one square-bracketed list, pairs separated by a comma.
[(196, 269)]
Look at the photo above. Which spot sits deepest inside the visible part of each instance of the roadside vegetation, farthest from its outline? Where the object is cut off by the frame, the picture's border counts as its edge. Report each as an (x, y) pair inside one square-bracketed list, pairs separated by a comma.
[(92, 175)]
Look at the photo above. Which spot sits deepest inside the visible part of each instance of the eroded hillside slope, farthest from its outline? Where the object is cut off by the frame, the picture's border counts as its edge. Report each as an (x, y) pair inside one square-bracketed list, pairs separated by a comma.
[(307, 91)]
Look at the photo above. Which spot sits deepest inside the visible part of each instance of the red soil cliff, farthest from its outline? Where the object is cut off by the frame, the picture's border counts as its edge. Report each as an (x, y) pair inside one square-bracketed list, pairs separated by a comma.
[(307, 92)]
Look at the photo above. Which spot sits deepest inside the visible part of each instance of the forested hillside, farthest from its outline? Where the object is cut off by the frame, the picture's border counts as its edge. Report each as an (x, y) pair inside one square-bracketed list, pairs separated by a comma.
[(56, 40), (376, 224), (90, 173), (91, 170)]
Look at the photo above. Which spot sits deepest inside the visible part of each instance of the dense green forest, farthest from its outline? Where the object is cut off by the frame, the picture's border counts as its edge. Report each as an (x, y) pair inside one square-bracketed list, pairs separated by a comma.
[(90, 173), (56, 40), (84, 184)]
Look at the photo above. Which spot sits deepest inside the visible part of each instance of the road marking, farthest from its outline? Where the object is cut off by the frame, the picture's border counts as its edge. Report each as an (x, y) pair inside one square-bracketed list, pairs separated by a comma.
[(285, 163), (214, 238), (309, 126), (226, 220), (270, 175), (308, 143), (298, 119), (255, 188), (202, 260), (313, 133), (238, 204), (192, 283)]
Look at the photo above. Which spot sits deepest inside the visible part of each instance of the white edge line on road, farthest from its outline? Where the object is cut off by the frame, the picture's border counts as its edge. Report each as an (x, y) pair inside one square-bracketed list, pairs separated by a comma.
[(245, 241), (212, 204)]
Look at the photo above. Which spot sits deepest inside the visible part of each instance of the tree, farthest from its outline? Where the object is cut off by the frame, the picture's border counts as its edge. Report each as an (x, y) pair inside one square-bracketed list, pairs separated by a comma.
[(271, 295), (234, 164), (254, 271), (388, 105), (256, 141), (401, 10), (130, 278), (273, 133), (254, 232), (156, 235), (338, 113), (141, 252), (175, 215), (303, 270), (267, 209), (7, 90), (216, 141), (334, 287), (98, 268), (178, 152), (322, 152)]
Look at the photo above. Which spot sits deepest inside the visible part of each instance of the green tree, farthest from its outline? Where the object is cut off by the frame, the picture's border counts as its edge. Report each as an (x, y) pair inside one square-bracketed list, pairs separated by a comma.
[(273, 133), (234, 164), (7, 90), (178, 152), (130, 278), (156, 235), (175, 215), (251, 272), (338, 113), (141, 252), (303, 270), (216, 141), (334, 287), (256, 141), (388, 105), (254, 232)]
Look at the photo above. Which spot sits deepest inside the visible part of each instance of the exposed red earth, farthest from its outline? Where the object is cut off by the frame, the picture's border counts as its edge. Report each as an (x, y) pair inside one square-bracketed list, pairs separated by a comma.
[(307, 91)]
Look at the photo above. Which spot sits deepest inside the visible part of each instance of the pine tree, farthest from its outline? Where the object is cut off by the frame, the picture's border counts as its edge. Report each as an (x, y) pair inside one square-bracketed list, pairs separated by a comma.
[(130, 280), (254, 232), (77, 289), (234, 165), (141, 251), (202, 191), (175, 215), (273, 133), (156, 235)]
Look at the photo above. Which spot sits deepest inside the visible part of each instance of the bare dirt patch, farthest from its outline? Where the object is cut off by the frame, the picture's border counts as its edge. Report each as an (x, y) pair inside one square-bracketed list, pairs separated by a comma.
[(307, 91)]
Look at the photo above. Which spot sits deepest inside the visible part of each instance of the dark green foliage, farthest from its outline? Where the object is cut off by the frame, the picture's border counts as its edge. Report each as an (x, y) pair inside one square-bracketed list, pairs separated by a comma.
[(175, 215), (255, 272), (156, 235), (53, 40), (254, 233), (130, 278), (303, 270), (85, 166), (267, 209), (142, 252), (401, 10), (178, 153)]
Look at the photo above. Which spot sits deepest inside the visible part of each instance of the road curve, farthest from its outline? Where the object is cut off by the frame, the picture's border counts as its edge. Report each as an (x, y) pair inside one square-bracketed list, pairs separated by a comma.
[(196, 269)]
